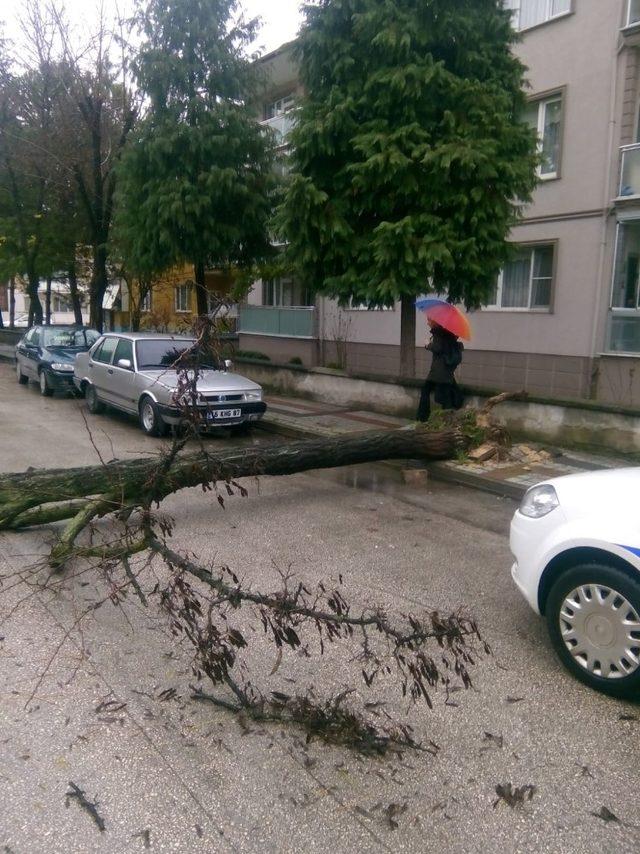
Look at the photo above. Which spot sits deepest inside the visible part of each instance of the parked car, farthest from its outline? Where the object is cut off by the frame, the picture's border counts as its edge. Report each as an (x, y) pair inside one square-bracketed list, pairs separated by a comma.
[(46, 354), (135, 372), (576, 542)]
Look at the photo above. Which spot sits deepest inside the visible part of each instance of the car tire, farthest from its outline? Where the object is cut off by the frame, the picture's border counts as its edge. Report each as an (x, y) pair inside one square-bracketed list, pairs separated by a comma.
[(22, 379), (150, 419), (43, 382), (94, 404), (593, 617)]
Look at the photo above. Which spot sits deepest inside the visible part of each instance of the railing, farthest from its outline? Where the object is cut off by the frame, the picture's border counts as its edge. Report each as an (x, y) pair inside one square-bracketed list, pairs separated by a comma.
[(630, 171), (281, 125), (633, 13), (286, 322)]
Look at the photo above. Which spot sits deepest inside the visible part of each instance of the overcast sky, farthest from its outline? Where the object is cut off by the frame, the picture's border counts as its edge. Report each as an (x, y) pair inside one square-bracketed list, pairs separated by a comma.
[(281, 18)]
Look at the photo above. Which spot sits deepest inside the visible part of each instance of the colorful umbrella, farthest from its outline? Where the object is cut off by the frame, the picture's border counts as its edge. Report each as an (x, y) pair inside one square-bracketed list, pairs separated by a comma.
[(446, 315)]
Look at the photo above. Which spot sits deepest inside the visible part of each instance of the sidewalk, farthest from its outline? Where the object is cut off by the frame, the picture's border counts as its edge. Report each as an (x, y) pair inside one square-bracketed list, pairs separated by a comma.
[(307, 419)]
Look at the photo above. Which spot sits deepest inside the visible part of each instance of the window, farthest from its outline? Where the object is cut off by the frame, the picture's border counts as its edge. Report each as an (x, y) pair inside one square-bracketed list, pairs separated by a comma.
[(183, 294), (530, 13), (526, 282), (60, 303), (633, 13), (145, 305), (545, 116), (280, 106), (285, 292), (355, 305), (124, 350), (105, 351)]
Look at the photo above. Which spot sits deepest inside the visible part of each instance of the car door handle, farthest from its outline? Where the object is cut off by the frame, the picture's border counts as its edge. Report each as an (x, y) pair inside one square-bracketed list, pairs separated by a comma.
[(109, 370)]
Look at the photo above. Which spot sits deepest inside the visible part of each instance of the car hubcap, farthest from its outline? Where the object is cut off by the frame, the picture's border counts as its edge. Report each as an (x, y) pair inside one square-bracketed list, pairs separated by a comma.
[(148, 417), (601, 630)]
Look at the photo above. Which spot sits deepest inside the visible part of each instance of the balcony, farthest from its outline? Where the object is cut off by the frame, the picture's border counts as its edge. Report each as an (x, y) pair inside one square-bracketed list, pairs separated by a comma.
[(281, 125), (283, 322), (630, 172)]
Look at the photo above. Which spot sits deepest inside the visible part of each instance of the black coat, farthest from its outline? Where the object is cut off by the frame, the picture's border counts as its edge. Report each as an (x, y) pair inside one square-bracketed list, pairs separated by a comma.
[(446, 353)]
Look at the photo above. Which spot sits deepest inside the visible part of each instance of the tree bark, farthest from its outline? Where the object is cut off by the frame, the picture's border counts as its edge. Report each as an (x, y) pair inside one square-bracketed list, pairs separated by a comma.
[(98, 289), (74, 294), (407, 337), (12, 302), (47, 304), (202, 301), (142, 481), (35, 306)]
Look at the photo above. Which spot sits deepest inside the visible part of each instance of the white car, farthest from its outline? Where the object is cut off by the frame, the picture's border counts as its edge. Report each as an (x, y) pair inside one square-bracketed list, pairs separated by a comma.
[(576, 543)]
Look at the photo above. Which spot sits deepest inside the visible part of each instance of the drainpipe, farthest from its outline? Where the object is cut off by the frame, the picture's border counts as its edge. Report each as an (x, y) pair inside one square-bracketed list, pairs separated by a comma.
[(603, 280)]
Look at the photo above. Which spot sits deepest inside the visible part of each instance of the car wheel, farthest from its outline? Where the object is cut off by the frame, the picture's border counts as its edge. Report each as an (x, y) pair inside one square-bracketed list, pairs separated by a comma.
[(150, 419), (43, 380), (22, 379), (94, 404), (593, 616)]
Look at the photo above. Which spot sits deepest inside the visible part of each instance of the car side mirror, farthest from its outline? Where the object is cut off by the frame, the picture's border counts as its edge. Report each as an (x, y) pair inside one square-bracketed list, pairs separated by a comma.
[(228, 365), (124, 363)]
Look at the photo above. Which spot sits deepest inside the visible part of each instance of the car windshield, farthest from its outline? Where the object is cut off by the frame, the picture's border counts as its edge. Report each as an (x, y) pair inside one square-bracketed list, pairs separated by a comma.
[(157, 353), (71, 338)]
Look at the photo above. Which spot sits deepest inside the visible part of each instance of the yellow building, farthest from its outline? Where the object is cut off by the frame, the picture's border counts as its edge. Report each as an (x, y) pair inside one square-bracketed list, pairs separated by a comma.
[(170, 304)]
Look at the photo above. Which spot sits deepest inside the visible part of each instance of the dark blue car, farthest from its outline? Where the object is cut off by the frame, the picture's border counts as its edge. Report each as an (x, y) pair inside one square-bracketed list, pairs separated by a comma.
[(46, 354)]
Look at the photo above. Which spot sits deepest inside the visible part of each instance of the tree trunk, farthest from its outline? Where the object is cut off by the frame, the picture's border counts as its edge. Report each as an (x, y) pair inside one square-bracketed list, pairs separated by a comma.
[(75, 296), (35, 306), (138, 481), (12, 302), (407, 337), (99, 282), (47, 304), (202, 300)]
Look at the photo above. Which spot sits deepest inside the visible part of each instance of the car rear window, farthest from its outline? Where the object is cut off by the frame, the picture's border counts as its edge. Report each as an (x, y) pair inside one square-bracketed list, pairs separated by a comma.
[(70, 338)]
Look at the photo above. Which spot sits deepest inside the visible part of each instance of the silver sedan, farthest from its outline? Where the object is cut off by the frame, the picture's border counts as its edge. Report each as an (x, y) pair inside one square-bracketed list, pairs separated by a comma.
[(135, 372)]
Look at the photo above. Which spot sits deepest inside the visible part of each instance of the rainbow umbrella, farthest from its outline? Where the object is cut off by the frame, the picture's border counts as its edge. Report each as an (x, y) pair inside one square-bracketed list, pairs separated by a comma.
[(446, 315)]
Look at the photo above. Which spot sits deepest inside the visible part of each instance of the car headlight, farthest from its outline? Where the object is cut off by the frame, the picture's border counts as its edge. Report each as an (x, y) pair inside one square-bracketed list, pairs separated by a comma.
[(539, 501), (254, 395), (62, 366)]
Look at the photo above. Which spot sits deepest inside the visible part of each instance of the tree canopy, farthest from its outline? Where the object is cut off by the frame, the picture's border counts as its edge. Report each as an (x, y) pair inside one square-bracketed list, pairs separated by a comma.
[(195, 183), (410, 156)]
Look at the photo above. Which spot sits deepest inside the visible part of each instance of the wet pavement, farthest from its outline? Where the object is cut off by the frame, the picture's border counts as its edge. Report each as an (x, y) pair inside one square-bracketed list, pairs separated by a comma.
[(104, 701)]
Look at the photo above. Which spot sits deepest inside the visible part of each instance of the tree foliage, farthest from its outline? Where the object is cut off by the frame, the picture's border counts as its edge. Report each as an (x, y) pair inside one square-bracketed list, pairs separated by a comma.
[(196, 180), (410, 157)]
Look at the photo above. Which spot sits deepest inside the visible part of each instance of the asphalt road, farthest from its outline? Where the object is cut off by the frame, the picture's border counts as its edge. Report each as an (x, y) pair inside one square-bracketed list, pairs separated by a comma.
[(83, 702)]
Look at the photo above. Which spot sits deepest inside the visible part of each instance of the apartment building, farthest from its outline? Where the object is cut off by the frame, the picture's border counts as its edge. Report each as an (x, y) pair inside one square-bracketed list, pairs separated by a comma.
[(564, 318)]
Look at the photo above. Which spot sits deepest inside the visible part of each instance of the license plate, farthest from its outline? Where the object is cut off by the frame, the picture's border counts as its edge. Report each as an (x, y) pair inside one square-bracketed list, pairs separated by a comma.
[(220, 414)]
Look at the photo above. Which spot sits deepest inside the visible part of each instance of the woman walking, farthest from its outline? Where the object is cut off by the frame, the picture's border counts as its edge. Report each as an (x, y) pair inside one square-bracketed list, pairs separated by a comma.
[(446, 350)]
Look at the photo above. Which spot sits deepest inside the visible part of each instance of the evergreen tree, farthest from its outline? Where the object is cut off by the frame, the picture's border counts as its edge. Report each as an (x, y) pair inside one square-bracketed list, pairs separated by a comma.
[(195, 182), (410, 156)]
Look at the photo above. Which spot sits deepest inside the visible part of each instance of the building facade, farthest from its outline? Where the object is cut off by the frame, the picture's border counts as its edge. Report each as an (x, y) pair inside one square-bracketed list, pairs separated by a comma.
[(564, 318)]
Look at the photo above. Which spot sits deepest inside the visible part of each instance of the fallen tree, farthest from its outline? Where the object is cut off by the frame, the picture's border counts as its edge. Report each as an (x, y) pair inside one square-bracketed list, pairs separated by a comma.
[(81, 495), (218, 614)]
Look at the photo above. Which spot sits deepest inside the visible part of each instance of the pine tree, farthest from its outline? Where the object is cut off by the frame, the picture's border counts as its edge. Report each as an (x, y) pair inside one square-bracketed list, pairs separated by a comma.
[(410, 156), (195, 182)]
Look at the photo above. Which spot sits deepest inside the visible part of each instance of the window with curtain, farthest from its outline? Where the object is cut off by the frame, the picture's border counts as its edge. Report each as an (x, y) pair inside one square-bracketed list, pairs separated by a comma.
[(526, 282), (545, 116), (285, 293), (626, 277), (530, 13)]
